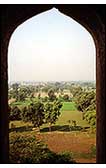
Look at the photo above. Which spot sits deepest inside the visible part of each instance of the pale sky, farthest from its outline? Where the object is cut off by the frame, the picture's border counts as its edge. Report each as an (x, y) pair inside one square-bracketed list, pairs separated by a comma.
[(51, 47)]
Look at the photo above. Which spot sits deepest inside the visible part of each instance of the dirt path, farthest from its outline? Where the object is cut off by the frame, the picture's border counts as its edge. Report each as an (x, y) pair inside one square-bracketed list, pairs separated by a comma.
[(74, 142)]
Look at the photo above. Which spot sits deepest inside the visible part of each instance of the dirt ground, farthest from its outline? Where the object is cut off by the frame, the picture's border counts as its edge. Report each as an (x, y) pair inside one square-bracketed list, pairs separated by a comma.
[(74, 142)]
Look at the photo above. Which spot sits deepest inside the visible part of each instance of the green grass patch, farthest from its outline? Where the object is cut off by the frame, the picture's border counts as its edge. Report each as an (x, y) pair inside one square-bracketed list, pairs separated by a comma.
[(68, 106), (68, 112), (72, 115)]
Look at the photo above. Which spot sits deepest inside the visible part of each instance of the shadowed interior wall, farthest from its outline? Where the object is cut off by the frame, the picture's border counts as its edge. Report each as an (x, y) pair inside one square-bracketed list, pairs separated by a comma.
[(92, 17)]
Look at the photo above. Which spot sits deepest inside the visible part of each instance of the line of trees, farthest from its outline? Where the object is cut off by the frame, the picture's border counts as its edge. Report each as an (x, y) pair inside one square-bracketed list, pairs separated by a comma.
[(37, 113)]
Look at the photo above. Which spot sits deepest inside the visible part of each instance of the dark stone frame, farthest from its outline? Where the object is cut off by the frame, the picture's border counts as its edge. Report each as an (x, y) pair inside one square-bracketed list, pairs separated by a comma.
[(92, 17)]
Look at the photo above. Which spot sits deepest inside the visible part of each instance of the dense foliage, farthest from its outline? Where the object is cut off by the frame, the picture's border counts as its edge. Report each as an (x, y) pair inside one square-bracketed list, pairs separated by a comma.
[(51, 95), (90, 116), (26, 149), (86, 102), (82, 93), (14, 113), (52, 112), (34, 113)]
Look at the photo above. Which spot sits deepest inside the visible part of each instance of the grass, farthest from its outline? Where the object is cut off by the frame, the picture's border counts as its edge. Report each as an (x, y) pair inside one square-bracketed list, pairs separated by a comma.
[(91, 154), (68, 112), (68, 106), (83, 155), (71, 115)]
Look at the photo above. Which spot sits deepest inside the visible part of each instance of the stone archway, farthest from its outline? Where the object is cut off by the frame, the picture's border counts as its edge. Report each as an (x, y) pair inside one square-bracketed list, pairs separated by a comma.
[(92, 17)]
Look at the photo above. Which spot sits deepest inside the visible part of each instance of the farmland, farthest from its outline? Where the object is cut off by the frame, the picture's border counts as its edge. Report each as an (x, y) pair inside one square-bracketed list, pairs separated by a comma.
[(77, 140), (60, 115)]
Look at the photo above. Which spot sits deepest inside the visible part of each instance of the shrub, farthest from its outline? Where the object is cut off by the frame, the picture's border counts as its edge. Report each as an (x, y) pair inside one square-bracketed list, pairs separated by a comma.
[(34, 113), (26, 149), (66, 98), (90, 117), (93, 151), (14, 113)]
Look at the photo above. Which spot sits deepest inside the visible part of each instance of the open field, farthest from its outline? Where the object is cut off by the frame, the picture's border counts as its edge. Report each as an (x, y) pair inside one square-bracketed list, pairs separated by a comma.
[(68, 112), (68, 106), (62, 138), (77, 143)]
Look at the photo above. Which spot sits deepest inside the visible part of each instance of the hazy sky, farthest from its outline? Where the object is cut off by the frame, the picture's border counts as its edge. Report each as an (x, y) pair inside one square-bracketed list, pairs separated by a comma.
[(51, 47)]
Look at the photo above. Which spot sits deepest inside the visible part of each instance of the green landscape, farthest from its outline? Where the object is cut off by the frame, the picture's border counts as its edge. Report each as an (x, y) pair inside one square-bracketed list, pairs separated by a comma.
[(55, 121)]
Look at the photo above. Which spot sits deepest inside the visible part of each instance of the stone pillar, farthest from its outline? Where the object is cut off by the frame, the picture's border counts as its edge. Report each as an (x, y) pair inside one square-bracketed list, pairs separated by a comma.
[(4, 126), (101, 98)]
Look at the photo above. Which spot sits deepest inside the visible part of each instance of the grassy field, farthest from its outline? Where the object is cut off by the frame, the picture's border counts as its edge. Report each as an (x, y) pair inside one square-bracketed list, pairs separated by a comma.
[(62, 138), (68, 112), (69, 106)]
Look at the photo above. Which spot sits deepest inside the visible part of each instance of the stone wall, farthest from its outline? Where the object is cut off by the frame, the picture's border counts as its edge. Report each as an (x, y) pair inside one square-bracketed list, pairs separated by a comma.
[(92, 17)]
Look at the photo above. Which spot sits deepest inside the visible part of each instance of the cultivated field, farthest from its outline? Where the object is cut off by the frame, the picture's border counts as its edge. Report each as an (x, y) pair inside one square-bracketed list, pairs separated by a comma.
[(79, 139)]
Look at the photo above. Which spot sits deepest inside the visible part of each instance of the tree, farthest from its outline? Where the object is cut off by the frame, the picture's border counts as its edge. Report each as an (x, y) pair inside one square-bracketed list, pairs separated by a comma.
[(31, 96), (19, 93), (86, 101), (51, 95), (52, 112), (30, 90), (34, 113), (66, 97), (25, 115), (76, 90), (21, 96), (39, 96), (15, 88), (15, 113), (26, 149), (22, 93), (90, 117)]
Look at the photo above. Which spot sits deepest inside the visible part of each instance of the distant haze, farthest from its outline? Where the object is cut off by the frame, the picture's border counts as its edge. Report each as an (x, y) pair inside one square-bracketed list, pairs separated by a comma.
[(51, 47)]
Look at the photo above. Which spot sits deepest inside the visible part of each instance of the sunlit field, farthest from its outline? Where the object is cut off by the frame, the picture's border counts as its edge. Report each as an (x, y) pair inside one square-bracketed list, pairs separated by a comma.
[(79, 140)]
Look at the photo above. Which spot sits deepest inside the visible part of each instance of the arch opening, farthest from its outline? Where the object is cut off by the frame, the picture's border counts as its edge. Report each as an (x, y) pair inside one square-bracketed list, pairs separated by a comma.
[(62, 60), (94, 20)]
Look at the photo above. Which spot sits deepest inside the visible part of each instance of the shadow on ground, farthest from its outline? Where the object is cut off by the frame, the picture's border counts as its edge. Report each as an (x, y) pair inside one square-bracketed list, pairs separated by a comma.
[(21, 129), (64, 128)]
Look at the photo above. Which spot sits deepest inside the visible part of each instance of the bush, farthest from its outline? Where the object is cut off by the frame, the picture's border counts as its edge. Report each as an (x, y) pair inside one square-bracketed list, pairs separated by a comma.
[(34, 113), (14, 113), (26, 149), (93, 151), (44, 99), (64, 157), (90, 117), (66, 98)]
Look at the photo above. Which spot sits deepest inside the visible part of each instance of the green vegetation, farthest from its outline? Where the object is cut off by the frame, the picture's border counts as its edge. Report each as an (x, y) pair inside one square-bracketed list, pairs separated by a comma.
[(91, 154), (61, 107), (86, 102), (69, 106), (15, 113), (34, 113), (52, 112), (90, 117), (26, 149), (65, 115)]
